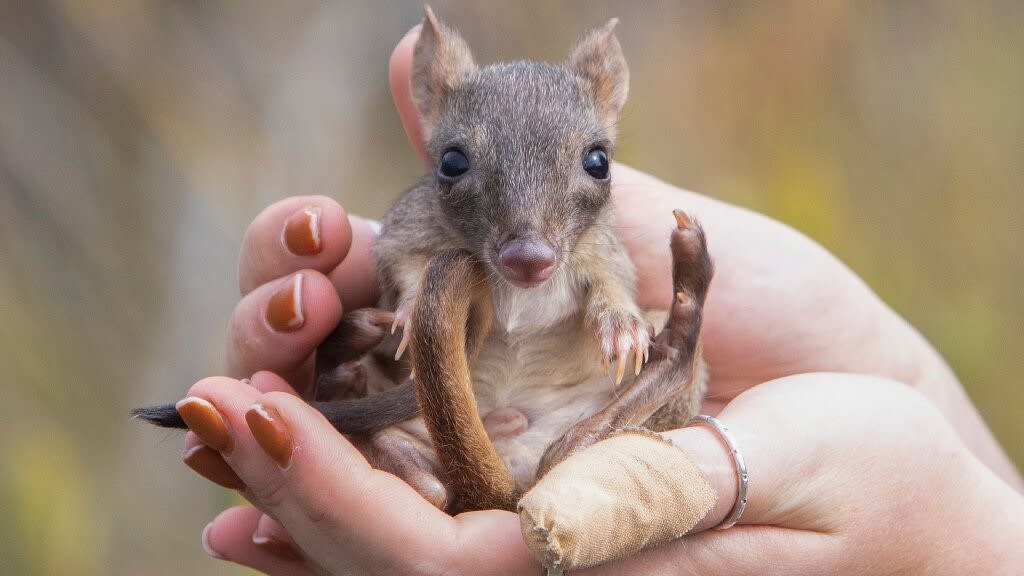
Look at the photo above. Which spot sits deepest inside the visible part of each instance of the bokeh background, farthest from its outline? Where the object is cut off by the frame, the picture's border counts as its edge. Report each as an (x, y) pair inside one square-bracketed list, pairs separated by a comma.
[(138, 138)]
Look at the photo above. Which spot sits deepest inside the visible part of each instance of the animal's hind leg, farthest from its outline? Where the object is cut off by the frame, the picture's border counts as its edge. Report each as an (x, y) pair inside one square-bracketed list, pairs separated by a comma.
[(399, 453), (450, 317), (671, 385)]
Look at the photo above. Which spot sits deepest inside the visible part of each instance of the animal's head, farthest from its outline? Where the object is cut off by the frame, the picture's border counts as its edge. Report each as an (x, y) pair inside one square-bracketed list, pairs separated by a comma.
[(520, 151)]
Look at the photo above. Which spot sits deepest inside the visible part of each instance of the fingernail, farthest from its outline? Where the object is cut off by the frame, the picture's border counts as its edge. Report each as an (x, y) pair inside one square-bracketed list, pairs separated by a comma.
[(271, 433), (209, 464), (202, 418), (279, 548), (205, 539), (284, 311), (302, 232)]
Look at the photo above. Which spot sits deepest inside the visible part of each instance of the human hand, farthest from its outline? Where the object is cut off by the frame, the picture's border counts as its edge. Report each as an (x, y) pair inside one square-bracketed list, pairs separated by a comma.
[(801, 309), (837, 487)]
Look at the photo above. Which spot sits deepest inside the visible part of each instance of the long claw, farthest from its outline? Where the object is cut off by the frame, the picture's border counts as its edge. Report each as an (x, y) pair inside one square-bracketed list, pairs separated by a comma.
[(682, 219), (402, 345), (621, 370), (394, 325), (638, 358), (604, 365)]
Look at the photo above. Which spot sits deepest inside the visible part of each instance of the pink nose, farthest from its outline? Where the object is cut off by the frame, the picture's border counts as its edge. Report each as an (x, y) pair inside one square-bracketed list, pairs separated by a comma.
[(527, 262)]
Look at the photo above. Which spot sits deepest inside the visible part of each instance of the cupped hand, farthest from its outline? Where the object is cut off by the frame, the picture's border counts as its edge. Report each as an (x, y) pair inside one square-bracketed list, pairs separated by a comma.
[(779, 305), (836, 487)]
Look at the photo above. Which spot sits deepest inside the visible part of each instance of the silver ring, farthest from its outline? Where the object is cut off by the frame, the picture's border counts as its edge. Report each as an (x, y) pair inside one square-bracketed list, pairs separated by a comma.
[(741, 468)]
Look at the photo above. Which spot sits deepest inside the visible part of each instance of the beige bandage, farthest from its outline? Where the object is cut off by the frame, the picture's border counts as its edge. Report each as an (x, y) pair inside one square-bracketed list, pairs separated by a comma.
[(613, 499)]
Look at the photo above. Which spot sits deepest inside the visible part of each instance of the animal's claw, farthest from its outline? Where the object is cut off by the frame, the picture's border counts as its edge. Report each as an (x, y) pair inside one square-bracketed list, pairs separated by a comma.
[(621, 333), (403, 344), (402, 315), (621, 370)]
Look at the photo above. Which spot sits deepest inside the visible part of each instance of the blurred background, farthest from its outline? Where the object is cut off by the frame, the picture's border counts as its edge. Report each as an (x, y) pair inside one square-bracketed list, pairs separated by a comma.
[(138, 139)]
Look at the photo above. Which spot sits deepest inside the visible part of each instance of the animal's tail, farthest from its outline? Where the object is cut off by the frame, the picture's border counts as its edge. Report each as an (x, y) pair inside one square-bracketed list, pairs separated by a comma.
[(358, 417), (164, 416)]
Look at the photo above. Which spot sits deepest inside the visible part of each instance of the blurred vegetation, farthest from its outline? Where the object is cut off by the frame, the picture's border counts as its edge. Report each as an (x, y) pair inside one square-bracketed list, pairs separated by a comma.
[(137, 140)]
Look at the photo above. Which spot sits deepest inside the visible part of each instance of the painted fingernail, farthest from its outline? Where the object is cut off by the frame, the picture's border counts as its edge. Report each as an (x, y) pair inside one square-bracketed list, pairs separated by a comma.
[(284, 311), (205, 539), (279, 548), (270, 432), (202, 418), (302, 232), (209, 464)]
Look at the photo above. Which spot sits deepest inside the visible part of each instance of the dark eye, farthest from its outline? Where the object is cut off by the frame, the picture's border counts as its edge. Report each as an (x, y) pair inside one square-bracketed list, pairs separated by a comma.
[(596, 163), (453, 164)]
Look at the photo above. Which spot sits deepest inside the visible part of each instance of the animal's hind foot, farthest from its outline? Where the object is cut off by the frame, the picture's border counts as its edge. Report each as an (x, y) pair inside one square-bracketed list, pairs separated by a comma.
[(338, 372)]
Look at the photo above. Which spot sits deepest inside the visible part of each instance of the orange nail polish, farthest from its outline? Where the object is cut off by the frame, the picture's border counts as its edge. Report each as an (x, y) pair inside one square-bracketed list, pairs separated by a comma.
[(202, 418), (209, 464), (302, 232), (271, 433), (279, 548), (284, 311)]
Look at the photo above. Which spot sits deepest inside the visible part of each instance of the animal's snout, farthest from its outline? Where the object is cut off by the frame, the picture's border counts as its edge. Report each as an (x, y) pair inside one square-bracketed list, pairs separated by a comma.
[(526, 262)]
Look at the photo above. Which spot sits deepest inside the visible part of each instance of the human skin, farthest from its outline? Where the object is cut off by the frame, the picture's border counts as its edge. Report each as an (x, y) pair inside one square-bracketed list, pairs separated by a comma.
[(779, 306)]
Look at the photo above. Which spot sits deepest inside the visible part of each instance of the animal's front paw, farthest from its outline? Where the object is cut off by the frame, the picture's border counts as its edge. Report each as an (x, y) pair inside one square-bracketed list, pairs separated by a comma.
[(402, 315), (621, 332)]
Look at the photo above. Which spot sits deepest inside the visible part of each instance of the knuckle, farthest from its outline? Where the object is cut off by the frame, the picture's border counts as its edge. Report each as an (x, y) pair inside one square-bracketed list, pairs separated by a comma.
[(206, 386), (271, 494)]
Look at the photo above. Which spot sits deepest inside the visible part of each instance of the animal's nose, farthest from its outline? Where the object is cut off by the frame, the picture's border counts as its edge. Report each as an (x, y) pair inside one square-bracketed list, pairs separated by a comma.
[(526, 262)]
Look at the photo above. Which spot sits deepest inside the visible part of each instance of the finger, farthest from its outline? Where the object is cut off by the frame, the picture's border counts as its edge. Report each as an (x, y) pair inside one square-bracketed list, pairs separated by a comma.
[(804, 440), (209, 464), (324, 472), (279, 325), (331, 482), (271, 537), (355, 278), (327, 475), (230, 537), (299, 232), (266, 381), (338, 509), (400, 73)]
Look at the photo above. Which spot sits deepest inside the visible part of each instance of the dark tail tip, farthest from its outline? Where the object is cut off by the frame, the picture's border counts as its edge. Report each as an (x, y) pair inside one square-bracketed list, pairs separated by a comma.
[(165, 416)]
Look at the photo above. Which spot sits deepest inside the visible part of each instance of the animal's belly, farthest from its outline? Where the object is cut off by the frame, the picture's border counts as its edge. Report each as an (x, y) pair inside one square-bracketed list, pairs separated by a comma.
[(549, 414), (554, 380)]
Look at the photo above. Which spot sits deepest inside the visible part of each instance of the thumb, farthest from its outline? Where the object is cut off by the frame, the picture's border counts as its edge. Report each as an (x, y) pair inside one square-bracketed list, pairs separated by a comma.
[(399, 74)]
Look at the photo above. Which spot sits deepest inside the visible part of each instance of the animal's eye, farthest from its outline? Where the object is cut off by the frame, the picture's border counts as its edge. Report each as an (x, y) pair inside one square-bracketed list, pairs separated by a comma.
[(596, 163), (453, 164)]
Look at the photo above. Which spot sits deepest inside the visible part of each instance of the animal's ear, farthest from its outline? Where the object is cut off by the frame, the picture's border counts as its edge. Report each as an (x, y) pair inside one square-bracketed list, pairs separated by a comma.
[(598, 59), (441, 60)]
